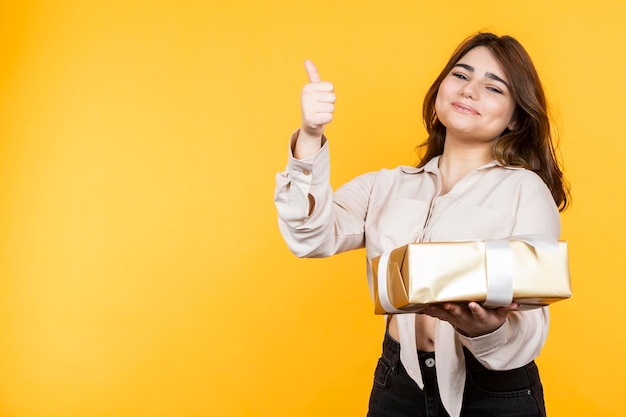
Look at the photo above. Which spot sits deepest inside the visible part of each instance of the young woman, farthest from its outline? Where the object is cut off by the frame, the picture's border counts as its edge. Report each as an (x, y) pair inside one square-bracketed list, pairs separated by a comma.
[(488, 172)]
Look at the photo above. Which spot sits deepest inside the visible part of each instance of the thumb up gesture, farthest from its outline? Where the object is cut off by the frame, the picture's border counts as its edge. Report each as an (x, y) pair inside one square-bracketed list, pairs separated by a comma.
[(318, 103)]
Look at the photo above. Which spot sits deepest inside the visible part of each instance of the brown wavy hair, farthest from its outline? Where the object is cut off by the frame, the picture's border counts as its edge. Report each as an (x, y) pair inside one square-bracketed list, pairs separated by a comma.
[(529, 145)]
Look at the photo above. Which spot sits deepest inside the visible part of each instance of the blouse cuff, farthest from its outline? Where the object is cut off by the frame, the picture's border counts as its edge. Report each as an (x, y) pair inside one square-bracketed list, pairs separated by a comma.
[(315, 169), (487, 343)]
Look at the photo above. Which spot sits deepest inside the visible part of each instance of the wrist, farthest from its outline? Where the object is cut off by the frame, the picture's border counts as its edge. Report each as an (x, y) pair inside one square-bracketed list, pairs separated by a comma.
[(306, 144)]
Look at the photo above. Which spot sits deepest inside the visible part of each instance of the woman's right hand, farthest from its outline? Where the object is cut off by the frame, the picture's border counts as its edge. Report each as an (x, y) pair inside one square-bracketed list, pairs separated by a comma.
[(318, 105)]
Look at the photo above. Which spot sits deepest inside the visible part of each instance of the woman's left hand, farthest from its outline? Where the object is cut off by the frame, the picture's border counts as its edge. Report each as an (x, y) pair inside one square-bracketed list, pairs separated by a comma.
[(472, 319)]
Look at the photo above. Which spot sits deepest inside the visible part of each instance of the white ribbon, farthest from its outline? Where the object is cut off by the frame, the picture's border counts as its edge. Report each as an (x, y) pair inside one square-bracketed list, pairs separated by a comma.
[(383, 295), (499, 259)]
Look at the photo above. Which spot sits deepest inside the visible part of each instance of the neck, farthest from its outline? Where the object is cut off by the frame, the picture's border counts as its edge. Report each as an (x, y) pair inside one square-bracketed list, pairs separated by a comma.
[(457, 161), (470, 156)]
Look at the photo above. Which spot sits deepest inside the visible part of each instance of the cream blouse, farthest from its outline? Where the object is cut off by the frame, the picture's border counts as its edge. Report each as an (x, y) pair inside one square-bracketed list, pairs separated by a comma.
[(382, 210)]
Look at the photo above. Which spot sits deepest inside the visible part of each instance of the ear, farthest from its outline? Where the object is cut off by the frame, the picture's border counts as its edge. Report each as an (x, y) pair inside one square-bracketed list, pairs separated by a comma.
[(512, 124)]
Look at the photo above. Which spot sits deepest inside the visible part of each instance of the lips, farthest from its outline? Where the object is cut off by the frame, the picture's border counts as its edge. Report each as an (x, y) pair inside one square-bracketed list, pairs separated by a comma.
[(464, 108)]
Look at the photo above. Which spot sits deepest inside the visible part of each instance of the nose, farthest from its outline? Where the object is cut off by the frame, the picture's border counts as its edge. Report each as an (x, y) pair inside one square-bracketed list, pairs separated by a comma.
[(470, 90)]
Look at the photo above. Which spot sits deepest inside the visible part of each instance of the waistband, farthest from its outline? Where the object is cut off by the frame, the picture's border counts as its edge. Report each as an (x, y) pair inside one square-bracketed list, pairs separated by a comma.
[(519, 378), (516, 379)]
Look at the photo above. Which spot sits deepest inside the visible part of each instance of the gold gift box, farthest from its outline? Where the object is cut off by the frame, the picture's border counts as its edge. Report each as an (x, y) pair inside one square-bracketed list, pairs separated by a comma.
[(419, 274)]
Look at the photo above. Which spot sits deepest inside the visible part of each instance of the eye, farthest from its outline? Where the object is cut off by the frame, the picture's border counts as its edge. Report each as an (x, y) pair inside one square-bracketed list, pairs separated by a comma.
[(494, 89), (460, 75)]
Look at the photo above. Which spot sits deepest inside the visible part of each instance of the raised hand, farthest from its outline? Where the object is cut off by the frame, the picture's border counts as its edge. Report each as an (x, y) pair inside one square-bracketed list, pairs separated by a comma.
[(318, 103)]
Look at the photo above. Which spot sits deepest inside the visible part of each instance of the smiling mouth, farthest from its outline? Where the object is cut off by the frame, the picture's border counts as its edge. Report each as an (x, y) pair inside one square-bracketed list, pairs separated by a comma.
[(464, 109)]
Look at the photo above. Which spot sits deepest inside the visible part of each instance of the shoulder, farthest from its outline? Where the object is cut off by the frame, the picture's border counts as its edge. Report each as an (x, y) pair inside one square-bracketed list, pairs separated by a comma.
[(529, 189), (399, 175), (387, 181), (403, 171), (398, 172), (520, 176), (517, 186)]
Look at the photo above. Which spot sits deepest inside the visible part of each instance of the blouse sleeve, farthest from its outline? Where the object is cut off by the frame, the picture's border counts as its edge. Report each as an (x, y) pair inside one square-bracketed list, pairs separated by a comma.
[(520, 339), (314, 221)]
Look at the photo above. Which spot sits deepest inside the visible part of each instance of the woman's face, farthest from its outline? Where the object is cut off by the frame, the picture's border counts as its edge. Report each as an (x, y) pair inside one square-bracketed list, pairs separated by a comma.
[(474, 101)]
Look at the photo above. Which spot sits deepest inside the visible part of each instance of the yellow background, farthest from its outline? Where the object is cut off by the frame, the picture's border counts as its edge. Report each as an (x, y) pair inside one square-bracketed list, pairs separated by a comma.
[(141, 268)]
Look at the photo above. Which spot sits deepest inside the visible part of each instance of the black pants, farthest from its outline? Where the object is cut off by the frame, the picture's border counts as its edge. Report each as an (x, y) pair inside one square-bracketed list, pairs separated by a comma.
[(514, 393)]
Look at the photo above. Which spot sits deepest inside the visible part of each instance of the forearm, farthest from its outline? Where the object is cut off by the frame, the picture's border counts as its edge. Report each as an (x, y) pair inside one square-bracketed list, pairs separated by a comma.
[(314, 221)]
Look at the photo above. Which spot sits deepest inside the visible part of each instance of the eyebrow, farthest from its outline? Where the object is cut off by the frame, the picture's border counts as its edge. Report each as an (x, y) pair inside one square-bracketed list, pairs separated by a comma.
[(490, 75)]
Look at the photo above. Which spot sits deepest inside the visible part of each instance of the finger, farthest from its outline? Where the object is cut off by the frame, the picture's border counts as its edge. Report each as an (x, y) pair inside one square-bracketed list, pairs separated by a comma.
[(323, 96), (477, 310), (453, 309), (321, 119), (311, 71), (429, 311), (321, 91), (320, 86), (439, 312), (502, 312), (324, 107)]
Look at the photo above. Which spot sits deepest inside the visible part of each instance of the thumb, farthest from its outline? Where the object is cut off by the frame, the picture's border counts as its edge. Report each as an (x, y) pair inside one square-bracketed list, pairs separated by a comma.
[(311, 71)]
